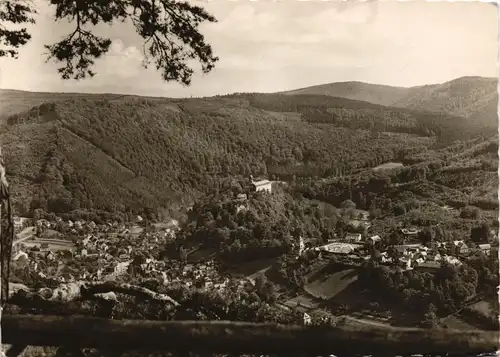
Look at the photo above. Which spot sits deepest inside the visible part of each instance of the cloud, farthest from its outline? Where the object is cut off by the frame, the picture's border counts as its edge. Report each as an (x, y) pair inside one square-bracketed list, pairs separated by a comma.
[(122, 62)]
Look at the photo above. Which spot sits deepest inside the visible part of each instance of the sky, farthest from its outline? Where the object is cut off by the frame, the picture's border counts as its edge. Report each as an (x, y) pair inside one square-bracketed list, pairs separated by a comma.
[(269, 46)]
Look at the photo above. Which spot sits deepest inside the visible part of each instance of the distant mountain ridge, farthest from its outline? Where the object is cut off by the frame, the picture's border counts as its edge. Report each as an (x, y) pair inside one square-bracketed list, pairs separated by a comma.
[(470, 97)]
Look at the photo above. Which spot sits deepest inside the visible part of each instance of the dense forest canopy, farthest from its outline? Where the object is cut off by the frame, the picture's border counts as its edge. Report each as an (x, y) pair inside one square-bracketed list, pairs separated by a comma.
[(126, 154), (122, 155)]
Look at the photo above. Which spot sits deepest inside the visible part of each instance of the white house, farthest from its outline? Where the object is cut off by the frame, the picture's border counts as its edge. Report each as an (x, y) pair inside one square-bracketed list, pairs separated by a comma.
[(19, 222), (43, 223), (241, 208), (462, 247), (121, 267), (384, 257), (307, 319), (242, 197), (375, 239), (50, 255), (301, 246), (410, 232), (485, 248), (353, 237), (429, 265), (262, 185), (452, 260)]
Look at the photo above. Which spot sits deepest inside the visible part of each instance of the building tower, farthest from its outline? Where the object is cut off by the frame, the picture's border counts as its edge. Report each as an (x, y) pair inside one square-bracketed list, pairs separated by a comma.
[(301, 246)]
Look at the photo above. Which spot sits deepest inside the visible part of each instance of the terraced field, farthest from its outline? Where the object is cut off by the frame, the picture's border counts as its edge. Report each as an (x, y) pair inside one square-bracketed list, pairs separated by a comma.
[(327, 287)]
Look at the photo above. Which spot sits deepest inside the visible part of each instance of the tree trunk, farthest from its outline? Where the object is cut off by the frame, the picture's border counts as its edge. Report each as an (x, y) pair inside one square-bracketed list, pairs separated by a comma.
[(6, 233)]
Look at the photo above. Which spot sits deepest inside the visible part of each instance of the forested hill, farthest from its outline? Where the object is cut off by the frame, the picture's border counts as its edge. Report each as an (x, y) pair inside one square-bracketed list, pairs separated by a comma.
[(355, 114), (475, 98), (123, 154), (368, 92)]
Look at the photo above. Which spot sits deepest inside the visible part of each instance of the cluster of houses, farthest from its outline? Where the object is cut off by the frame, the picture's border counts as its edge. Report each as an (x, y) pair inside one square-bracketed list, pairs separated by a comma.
[(20, 223), (102, 251), (418, 256), (463, 249), (200, 275), (107, 252), (114, 250), (410, 256)]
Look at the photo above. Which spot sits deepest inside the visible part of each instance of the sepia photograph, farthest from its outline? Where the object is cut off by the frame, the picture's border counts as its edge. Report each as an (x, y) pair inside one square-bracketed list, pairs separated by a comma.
[(259, 178)]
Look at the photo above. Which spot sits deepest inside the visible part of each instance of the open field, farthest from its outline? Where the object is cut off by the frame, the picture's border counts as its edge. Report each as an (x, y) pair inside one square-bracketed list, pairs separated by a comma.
[(367, 321), (484, 307), (25, 234), (388, 166), (251, 269), (136, 230), (197, 255), (456, 323), (53, 244), (328, 286), (303, 300), (52, 234)]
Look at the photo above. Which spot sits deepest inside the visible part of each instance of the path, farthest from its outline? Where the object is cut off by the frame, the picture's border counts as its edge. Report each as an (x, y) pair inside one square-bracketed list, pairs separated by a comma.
[(261, 271), (371, 323)]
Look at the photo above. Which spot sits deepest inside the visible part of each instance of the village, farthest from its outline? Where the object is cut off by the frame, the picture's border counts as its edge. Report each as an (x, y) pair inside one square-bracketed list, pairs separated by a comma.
[(108, 252), (411, 255), (104, 252), (83, 250), (357, 247), (69, 251)]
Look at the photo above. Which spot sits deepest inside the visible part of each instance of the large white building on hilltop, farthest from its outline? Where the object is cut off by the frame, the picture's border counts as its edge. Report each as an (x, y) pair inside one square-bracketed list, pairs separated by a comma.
[(261, 185)]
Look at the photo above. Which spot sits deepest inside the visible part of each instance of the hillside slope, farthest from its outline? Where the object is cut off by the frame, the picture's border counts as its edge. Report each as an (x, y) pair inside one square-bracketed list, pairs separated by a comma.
[(367, 92), (470, 97), (127, 154), (124, 153), (16, 101), (355, 114), (457, 176)]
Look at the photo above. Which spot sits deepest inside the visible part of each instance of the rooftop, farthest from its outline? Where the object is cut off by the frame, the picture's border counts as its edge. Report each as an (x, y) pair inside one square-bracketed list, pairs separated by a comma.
[(261, 182)]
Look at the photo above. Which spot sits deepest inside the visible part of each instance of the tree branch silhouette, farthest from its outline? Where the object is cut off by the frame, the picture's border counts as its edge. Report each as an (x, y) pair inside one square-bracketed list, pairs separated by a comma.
[(170, 29)]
